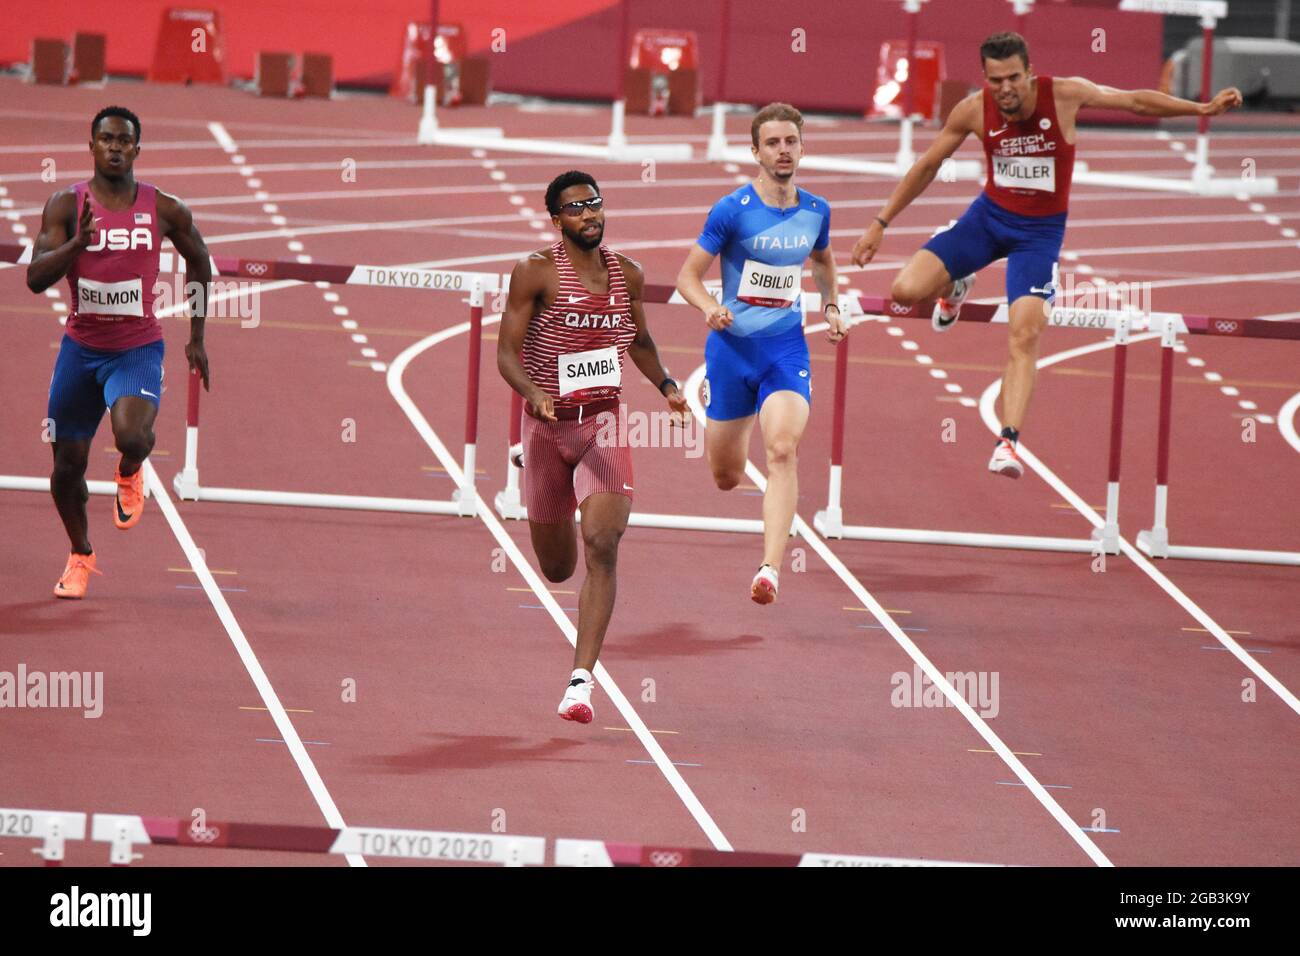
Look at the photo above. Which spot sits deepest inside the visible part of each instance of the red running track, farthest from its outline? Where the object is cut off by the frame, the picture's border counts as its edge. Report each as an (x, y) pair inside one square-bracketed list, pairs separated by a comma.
[(1114, 702)]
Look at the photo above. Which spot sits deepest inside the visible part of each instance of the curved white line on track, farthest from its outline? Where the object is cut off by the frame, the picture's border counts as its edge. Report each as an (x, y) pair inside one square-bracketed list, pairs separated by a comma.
[(878, 611), (1286, 421), (320, 793), (1130, 551), (395, 371)]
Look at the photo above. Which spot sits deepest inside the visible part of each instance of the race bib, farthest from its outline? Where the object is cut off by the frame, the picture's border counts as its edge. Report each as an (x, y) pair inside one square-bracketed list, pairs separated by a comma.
[(775, 287), (1025, 172), (598, 368), (110, 298)]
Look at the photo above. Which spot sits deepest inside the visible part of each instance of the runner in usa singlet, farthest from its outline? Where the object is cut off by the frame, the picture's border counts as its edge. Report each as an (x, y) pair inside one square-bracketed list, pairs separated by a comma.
[(112, 281), (105, 236)]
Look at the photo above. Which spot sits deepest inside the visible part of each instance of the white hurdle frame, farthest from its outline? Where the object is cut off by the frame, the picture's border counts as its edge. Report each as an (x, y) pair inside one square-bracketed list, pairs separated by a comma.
[(829, 522)]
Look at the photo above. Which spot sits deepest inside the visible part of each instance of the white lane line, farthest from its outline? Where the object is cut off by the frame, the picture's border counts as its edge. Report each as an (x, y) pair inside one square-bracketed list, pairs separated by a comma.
[(544, 596), (890, 625), (222, 137), (1286, 421), (288, 733), (1137, 557)]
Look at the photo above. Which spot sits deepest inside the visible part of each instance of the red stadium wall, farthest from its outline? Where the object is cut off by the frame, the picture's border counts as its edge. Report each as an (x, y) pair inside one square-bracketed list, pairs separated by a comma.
[(565, 48)]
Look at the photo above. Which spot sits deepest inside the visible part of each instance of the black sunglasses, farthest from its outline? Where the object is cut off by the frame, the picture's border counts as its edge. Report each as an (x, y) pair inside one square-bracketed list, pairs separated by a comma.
[(575, 208)]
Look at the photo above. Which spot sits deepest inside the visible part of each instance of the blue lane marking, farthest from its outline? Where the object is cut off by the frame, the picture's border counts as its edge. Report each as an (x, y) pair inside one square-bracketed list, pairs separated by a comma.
[(1252, 650), (1098, 830), (1046, 786), (199, 587), (674, 763), (277, 740), (879, 627), (539, 607)]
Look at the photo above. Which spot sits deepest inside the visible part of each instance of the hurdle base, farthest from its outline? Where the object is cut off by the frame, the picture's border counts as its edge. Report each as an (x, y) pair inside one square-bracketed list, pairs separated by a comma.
[(969, 539), (1236, 555), (302, 499), (466, 500), (186, 485), (1107, 537), (1194, 185), (21, 483), (1154, 542), (508, 505), (829, 523)]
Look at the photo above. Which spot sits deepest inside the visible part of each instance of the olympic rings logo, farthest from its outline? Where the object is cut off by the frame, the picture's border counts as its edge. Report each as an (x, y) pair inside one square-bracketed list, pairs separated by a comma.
[(256, 268), (665, 858), (898, 308), (1226, 326), (204, 834)]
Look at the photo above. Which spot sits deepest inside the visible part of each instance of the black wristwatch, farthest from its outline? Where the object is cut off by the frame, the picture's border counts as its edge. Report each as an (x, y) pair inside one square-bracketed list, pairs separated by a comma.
[(665, 383)]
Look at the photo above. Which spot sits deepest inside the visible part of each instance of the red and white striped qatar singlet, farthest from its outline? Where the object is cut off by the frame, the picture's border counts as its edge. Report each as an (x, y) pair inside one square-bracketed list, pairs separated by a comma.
[(1030, 165), (113, 278), (574, 348)]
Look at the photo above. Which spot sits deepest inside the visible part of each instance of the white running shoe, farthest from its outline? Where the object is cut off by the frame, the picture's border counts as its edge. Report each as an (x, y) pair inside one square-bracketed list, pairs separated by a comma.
[(1005, 461), (946, 310), (576, 705), (764, 586), (517, 455)]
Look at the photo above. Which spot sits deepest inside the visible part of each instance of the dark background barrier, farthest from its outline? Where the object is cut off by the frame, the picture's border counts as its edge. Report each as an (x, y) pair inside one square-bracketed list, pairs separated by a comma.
[(565, 48)]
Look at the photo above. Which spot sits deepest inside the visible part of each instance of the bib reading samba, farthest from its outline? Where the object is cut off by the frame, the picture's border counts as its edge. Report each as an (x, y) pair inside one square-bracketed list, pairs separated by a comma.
[(775, 287), (110, 298), (1025, 172), (598, 368)]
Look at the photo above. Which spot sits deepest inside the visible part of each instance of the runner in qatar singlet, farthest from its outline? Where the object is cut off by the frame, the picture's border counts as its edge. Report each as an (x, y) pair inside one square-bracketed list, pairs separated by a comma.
[(113, 278), (574, 348)]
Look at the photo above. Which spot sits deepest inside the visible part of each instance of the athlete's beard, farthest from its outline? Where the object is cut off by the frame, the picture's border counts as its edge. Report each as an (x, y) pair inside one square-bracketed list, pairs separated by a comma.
[(582, 242)]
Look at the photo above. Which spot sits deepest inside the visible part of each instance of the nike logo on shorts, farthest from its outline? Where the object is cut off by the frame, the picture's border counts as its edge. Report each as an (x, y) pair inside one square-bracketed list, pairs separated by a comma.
[(147, 392), (627, 487)]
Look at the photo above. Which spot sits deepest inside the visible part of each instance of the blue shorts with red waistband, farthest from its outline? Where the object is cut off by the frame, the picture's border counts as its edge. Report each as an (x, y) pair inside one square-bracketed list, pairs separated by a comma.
[(986, 232)]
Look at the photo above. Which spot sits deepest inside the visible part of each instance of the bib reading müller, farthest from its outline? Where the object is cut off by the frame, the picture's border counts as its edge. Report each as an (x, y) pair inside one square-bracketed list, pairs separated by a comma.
[(112, 280), (1029, 163)]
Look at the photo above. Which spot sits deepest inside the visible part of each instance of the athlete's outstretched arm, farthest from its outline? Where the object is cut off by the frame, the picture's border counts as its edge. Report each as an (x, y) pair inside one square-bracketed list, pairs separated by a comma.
[(690, 283), (823, 272), (54, 252), (1083, 92), (527, 285), (643, 350), (180, 229), (962, 121)]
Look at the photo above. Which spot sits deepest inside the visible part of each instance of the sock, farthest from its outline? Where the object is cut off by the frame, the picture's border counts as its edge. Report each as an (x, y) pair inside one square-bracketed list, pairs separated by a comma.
[(1011, 433), (579, 675)]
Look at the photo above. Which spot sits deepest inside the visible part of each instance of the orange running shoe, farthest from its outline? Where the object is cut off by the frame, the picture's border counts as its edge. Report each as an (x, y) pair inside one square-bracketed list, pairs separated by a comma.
[(130, 499), (76, 575)]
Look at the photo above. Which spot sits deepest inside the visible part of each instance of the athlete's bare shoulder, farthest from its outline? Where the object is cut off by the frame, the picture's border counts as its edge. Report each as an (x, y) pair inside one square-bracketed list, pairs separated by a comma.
[(173, 211), (968, 114), (633, 274), (62, 203), (533, 273)]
